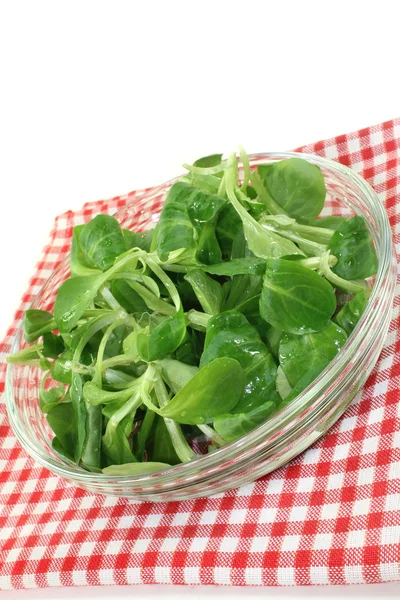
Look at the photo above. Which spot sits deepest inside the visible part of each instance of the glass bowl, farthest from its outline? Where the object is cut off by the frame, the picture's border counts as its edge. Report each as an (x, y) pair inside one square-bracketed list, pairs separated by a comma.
[(283, 436)]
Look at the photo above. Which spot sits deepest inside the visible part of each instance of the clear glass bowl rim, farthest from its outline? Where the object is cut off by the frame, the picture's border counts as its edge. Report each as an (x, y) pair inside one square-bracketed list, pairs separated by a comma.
[(203, 464)]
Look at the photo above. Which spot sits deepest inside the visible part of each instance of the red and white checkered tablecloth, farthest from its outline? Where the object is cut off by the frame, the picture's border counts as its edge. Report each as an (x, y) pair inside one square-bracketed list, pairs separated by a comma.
[(332, 516)]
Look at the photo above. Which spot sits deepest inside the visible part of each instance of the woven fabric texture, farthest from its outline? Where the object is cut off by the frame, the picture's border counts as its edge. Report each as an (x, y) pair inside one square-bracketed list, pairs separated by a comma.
[(332, 516)]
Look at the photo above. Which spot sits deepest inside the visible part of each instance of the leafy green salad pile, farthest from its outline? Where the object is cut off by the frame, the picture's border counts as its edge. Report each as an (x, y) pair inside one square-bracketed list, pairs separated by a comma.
[(201, 329)]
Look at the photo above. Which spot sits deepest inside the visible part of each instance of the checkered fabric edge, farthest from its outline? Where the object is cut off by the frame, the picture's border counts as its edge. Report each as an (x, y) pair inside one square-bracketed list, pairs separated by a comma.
[(329, 517)]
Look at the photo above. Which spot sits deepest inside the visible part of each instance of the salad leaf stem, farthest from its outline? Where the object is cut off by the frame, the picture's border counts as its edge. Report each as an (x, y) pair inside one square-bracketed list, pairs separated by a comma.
[(222, 187), (314, 233), (351, 287), (120, 359), (163, 277), (320, 234), (314, 263), (111, 301), (207, 170), (155, 304), (272, 206), (197, 319), (246, 168), (95, 312), (182, 448), (216, 439), (97, 378), (308, 246), (26, 356)]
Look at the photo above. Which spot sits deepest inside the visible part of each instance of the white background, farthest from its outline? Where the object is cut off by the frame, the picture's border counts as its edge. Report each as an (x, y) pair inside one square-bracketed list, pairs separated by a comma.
[(100, 98)]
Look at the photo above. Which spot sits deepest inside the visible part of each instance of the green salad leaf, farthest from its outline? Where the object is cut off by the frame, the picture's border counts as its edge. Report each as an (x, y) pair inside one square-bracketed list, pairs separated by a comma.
[(351, 312), (300, 354), (230, 334), (353, 247), (37, 323), (296, 185), (295, 299), (195, 403)]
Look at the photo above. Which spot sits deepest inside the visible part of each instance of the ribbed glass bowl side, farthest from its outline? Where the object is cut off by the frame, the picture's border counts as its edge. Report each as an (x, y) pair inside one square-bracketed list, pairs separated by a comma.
[(286, 434)]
